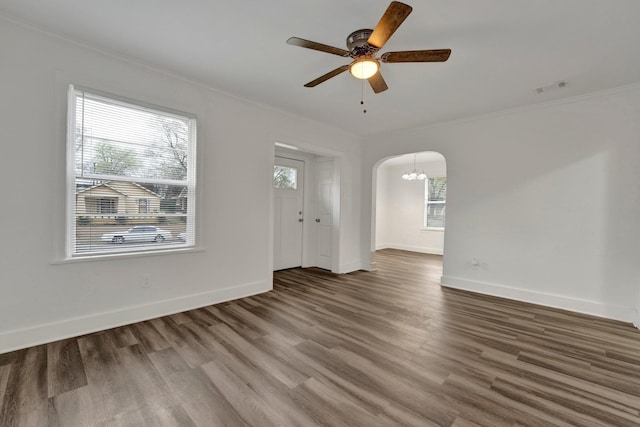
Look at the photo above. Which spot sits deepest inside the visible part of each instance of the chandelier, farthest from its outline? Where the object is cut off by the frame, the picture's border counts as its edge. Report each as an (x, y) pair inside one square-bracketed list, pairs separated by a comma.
[(414, 174)]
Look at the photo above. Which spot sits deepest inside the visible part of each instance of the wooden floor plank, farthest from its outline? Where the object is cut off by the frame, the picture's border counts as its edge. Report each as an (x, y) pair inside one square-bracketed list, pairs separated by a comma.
[(148, 337), (108, 383), (151, 416), (288, 376), (188, 346), (4, 379), (246, 402), (330, 406), (383, 348), (65, 369), (203, 402), (73, 408), (25, 400)]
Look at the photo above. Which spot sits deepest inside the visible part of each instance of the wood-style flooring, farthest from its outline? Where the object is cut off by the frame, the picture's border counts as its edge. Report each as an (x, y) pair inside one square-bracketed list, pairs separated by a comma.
[(383, 348)]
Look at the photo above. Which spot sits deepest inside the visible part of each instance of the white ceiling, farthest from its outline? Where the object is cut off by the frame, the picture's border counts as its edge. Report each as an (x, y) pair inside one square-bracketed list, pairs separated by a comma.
[(502, 50)]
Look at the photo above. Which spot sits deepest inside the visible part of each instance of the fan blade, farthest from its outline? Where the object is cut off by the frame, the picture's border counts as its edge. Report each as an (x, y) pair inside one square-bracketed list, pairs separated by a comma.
[(377, 83), (436, 55), (395, 14), (296, 41), (327, 76)]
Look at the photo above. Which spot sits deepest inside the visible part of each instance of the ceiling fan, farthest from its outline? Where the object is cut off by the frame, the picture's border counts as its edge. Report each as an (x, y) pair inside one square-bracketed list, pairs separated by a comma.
[(363, 46)]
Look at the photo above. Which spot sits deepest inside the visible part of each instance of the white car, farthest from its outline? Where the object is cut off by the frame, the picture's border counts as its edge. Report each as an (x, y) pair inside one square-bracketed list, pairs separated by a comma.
[(139, 233)]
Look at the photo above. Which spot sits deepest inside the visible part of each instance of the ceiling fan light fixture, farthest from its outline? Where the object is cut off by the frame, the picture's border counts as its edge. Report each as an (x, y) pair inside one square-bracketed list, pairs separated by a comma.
[(364, 68), (363, 47)]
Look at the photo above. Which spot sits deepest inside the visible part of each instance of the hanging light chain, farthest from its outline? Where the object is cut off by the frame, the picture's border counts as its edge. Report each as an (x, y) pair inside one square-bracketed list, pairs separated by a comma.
[(414, 173)]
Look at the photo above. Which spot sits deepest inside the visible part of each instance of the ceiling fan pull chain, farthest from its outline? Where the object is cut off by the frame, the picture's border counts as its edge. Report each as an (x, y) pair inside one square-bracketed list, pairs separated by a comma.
[(362, 98)]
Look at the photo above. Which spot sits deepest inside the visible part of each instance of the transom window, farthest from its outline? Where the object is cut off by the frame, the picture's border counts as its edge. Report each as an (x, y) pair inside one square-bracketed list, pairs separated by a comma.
[(435, 203), (132, 176)]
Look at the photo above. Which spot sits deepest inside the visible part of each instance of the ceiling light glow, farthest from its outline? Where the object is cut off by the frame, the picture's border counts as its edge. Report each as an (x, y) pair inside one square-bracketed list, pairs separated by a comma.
[(364, 68)]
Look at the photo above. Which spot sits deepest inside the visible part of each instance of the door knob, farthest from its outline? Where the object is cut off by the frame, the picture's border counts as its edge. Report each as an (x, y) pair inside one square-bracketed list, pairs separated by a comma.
[(317, 219), (300, 220)]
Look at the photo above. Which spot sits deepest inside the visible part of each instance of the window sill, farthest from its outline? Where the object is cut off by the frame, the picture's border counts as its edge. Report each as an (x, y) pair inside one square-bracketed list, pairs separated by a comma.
[(114, 256), (431, 228)]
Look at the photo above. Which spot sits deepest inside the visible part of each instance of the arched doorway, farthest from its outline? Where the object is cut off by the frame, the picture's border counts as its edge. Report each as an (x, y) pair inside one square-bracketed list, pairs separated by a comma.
[(410, 214)]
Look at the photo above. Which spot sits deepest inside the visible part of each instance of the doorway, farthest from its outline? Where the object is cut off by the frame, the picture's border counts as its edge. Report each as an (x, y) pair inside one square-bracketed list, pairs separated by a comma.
[(306, 218), (410, 203), (288, 189)]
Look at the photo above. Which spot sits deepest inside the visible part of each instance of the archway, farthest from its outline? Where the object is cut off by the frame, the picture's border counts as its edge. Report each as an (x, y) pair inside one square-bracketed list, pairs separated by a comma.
[(409, 214)]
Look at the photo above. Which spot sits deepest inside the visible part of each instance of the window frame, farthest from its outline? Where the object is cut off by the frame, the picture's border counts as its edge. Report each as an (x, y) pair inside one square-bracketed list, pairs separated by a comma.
[(428, 202), (71, 214)]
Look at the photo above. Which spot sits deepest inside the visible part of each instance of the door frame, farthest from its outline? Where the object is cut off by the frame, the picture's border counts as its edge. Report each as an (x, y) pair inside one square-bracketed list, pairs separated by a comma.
[(309, 235)]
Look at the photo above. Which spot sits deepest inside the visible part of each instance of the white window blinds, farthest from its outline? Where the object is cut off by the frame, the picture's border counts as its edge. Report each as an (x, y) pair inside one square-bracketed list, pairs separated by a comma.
[(132, 176), (435, 202)]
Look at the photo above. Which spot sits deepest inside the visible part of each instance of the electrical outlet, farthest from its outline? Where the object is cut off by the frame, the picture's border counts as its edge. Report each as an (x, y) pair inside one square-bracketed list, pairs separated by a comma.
[(475, 264), (146, 282)]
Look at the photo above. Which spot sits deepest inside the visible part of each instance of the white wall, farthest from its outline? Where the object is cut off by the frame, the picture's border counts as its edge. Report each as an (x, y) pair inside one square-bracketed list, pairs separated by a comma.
[(382, 207), (42, 299), (547, 198), (400, 209)]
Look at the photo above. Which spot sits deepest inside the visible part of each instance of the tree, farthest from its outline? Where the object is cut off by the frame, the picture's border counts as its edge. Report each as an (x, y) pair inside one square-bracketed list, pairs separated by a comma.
[(437, 189), (112, 160), (173, 159), (284, 177), (170, 154)]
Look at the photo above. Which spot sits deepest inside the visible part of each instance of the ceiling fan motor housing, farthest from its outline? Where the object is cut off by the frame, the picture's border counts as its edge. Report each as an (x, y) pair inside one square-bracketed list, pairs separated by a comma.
[(357, 43)]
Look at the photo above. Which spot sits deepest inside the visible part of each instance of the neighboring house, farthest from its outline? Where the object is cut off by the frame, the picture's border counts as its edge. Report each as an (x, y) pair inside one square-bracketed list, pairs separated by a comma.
[(181, 201), (116, 197)]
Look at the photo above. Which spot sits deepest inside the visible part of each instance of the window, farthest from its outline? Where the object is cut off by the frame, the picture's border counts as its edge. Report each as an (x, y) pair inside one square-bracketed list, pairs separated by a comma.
[(131, 176), (101, 205), (143, 206), (285, 177), (106, 205), (435, 203)]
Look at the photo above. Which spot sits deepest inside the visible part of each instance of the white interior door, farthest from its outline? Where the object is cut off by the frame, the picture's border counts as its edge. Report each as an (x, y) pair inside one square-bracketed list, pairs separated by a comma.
[(288, 182), (324, 212)]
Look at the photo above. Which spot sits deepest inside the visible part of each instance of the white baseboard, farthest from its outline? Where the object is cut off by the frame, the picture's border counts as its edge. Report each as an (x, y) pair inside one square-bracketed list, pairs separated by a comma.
[(41, 334), (420, 249), (349, 267), (608, 311)]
